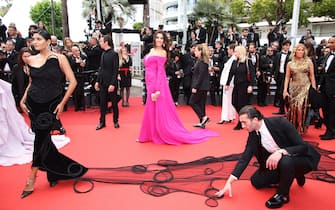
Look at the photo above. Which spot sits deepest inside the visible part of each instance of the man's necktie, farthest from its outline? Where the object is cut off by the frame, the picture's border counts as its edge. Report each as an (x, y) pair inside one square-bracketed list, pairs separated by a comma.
[(260, 149)]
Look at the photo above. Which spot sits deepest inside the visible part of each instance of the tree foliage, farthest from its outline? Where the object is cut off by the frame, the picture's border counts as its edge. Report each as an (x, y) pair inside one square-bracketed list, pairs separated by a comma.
[(324, 8), (41, 11), (138, 25), (4, 9), (263, 10), (304, 14), (274, 11), (112, 10), (210, 9)]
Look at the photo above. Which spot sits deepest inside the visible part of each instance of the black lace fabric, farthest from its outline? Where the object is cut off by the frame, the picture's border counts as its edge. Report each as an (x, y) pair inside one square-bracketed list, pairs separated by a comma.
[(197, 177)]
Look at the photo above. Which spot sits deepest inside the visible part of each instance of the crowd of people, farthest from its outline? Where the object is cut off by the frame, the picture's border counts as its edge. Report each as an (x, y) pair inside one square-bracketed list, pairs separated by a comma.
[(227, 69)]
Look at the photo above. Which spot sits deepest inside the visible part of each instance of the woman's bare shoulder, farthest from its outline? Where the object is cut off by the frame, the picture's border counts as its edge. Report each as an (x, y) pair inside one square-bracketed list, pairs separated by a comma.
[(155, 52)]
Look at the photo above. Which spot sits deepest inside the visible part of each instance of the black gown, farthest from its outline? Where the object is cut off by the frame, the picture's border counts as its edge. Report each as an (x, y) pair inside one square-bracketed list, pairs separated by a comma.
[(43, 96)]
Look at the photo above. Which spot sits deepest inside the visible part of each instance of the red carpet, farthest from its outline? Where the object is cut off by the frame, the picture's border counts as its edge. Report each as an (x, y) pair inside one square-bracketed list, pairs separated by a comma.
[(112, 147)]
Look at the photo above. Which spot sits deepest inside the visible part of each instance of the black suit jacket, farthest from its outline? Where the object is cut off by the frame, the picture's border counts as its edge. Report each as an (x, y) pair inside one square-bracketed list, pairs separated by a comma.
[(327, 83), (276, 63), (93, 57), (202, 35), (285, 136), (200, 78), (109, 68)]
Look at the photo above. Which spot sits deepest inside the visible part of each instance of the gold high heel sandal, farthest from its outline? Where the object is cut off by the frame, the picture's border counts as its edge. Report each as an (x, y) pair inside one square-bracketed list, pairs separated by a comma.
[(30, 182)]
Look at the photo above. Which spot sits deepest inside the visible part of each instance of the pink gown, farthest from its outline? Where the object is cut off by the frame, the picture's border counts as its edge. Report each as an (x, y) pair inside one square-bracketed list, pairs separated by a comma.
[(161, 123)]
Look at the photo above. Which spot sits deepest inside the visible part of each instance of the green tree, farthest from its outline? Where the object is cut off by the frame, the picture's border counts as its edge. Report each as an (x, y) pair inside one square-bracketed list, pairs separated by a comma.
[(4, 9), (112, 10), (137, 25), (263, 10), (270, 10), (324, 8), (304, 14), (41, 11), (210, 10), (237, 11)]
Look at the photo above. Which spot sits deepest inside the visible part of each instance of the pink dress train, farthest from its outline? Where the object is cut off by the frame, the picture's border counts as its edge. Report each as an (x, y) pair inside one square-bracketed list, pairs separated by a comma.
[(161, 123)]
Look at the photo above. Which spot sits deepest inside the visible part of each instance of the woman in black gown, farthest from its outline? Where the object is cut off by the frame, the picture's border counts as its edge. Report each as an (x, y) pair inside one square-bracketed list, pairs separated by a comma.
[(44, 102)]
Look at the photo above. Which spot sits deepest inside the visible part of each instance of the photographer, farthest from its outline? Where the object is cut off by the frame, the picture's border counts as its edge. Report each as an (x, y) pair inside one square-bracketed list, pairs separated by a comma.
[(146, 36), (174, 73), (214, 69), (264, 76), (78, 62), (217, 33), (253, 36)]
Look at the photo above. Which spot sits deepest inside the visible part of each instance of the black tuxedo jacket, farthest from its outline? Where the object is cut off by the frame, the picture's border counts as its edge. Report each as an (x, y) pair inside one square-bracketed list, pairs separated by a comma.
[(327, 83), (285, 136), (109, 68), (202, 35), (276, 64)]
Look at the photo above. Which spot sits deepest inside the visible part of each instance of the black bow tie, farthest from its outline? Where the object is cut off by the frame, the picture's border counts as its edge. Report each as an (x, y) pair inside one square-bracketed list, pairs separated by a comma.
[(283, 53)]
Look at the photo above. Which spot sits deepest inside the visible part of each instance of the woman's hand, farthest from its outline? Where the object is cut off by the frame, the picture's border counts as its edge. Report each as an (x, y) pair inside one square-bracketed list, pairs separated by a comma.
[(96, 86), (249, 89), (285, 94), (24, 107), (59, 109), (155, 95)]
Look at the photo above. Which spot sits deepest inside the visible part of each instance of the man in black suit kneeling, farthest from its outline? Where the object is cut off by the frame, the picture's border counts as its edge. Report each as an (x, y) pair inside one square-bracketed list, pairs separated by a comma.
[(280, 151)]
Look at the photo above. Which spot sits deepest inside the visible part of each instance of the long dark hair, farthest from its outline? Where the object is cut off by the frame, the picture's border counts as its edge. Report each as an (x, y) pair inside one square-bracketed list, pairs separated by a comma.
[(166, 44), (20, 62)]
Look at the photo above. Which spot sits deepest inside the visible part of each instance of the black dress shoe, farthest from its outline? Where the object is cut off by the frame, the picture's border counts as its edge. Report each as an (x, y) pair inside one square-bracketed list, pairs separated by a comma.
[(301, 180), (281, 113), (26, 193), (100, 126), (116, 125), (277, 201), (328, 137), (53, 183)]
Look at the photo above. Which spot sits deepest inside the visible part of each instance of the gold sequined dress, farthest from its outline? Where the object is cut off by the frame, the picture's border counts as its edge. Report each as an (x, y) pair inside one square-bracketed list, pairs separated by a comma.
[(298, 89)]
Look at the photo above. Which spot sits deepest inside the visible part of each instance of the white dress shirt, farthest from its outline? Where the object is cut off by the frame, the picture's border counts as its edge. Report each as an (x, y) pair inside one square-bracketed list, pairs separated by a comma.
[(267, 140)]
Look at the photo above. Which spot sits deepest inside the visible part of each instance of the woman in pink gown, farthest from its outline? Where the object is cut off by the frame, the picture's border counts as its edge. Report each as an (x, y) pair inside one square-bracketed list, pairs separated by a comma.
[(160, 123)]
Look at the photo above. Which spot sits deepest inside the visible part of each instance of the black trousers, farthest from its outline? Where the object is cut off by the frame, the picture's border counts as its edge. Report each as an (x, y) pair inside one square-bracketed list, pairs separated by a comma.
[(328, 110), (261, 92), (174, 84), (279, 92), (104, 98), (187, 81), (198, 103), (288, 168), (78, 94)]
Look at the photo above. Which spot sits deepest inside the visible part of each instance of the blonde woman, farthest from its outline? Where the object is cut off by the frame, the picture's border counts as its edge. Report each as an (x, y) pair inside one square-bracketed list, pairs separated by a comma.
[(125, 64), (244, 78), (298, 79), (200, 84)]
